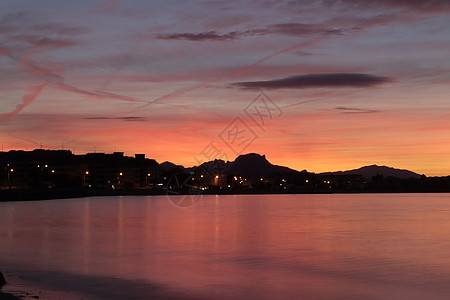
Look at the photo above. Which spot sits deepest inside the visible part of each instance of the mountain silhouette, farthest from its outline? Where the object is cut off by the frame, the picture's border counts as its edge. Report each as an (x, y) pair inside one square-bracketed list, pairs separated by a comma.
[(247, 165), (373, 170), (167, 166), (255, 165)]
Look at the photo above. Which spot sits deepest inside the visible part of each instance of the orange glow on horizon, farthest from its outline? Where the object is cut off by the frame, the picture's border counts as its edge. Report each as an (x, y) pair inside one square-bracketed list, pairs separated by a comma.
[(317, 142)]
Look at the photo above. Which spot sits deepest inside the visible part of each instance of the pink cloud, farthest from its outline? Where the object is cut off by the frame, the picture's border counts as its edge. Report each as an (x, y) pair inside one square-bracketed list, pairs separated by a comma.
[(100, 8), (32, 93)]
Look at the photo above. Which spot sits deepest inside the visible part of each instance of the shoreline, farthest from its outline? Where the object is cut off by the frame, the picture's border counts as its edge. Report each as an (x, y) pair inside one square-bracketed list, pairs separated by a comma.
[(7, 296), (10, 294), (18, 288), (15, 195), (52, 285)]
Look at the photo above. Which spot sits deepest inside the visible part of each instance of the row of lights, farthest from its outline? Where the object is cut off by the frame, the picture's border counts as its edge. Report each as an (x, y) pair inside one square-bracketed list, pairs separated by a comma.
[(12, 170), (201, 176), (86, 173), (45, 166), (120, 174)]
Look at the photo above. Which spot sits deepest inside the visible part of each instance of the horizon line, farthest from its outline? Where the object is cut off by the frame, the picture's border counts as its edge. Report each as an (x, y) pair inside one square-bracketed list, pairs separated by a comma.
[(263, 155)]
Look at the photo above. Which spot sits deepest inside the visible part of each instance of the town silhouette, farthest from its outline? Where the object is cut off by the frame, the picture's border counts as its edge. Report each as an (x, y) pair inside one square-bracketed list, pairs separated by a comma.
[(47, 174)]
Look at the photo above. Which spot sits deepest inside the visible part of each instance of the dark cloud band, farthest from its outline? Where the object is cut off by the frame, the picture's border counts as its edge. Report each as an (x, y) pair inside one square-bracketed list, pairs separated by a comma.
[(135, 119), (352, 110), (202, 36), (431, 6), (290, 29), (316, 81)]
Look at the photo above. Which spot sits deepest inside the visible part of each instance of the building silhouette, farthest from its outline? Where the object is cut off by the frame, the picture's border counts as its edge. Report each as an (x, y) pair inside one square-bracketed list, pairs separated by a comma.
[(61, 168)]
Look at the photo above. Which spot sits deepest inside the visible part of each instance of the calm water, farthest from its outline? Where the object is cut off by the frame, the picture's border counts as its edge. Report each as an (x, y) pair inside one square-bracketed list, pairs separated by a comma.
[(383, 246)]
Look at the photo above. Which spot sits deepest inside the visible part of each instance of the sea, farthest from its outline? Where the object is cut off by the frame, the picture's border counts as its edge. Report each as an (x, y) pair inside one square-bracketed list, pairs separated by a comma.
[(285, 246)]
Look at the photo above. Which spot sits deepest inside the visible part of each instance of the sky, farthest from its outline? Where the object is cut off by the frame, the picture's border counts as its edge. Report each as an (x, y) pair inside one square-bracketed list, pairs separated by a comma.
[(318, 85)]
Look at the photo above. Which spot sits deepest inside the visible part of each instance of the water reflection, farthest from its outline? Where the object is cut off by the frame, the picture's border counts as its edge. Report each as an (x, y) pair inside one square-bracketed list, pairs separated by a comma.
[(86, 235), (227, 247)]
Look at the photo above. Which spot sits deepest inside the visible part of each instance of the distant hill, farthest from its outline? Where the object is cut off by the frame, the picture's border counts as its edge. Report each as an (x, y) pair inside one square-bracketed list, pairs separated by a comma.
[(254, 165), (248, 165), (216, 164), (370, 171), (168, 166)]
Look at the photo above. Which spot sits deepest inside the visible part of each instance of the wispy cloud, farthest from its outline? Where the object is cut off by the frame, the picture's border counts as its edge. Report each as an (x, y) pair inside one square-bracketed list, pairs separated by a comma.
[(352, 110), (109, 4), (132, 119), (432, 6), (301, 29), (57, 28), (42, 42), (316, 81), (117, 96), (22, 39), (5, 52), (31, 95), (290, 29), (202, 36), (246, 69)]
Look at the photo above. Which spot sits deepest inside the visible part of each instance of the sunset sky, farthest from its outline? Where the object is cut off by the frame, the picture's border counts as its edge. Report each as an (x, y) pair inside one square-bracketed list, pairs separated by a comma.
[(338, 84)]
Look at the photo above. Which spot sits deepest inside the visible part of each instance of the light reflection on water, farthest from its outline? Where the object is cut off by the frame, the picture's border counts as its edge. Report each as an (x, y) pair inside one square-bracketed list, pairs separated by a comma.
[(365, 246)]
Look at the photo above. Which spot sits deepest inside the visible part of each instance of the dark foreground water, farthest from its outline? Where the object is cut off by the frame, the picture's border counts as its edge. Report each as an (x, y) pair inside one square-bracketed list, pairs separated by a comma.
[(366, 246)]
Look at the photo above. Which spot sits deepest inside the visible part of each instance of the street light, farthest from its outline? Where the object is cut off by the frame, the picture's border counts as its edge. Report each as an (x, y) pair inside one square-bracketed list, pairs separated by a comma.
[(118, 178), (146, 179), (84, 177), (9, 177)]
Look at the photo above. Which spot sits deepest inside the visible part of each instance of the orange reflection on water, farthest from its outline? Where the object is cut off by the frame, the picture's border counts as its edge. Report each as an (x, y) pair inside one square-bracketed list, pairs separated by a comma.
[(386, 246)]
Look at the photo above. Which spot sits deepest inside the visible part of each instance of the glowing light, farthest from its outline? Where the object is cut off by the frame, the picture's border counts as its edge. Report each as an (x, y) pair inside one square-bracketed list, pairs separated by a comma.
[(53, 171), (12, 170), (87, 173), (217, 176), (120, 174)]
